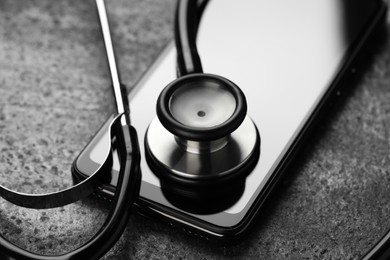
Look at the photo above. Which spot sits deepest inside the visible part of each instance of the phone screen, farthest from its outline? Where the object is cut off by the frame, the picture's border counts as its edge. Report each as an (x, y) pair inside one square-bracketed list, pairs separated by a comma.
[(285, 56)]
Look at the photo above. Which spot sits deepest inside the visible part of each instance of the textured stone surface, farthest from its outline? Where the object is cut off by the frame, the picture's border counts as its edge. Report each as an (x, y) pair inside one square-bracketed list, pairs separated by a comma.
[(55, 94)]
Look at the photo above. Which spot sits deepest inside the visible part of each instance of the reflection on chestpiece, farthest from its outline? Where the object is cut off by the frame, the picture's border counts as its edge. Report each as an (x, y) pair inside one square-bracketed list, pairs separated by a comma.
[(202, 136), (202, 147)]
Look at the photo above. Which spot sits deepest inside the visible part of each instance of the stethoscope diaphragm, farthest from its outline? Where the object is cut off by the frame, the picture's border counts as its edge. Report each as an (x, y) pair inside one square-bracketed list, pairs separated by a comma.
[(201, 107)]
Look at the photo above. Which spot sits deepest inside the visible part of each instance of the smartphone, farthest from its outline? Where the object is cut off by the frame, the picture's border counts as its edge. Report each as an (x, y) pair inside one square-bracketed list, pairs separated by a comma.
[(290, 58)]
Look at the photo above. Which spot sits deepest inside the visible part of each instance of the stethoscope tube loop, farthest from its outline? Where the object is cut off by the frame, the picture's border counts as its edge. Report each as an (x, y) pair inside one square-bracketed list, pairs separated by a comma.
[(123, 135), (62, 197), (126, 192)]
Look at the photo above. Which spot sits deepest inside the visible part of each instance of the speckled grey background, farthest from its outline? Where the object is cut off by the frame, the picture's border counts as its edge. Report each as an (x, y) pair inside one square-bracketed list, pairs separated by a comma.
[(54, 94)]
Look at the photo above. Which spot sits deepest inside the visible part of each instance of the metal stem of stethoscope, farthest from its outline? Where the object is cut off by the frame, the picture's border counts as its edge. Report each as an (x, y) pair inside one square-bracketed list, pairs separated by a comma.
[(120, 93), (128, 180)]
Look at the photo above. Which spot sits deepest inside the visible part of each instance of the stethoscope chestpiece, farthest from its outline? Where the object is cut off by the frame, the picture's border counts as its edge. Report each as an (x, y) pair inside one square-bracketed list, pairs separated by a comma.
[(202, 139), (201, 107)]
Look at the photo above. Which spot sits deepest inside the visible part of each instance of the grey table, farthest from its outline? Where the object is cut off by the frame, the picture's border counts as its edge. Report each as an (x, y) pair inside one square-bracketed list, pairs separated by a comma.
[(55, 93)]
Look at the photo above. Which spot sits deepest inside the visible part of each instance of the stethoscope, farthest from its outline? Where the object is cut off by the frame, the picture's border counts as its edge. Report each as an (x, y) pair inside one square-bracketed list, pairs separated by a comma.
[(206, 117)]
